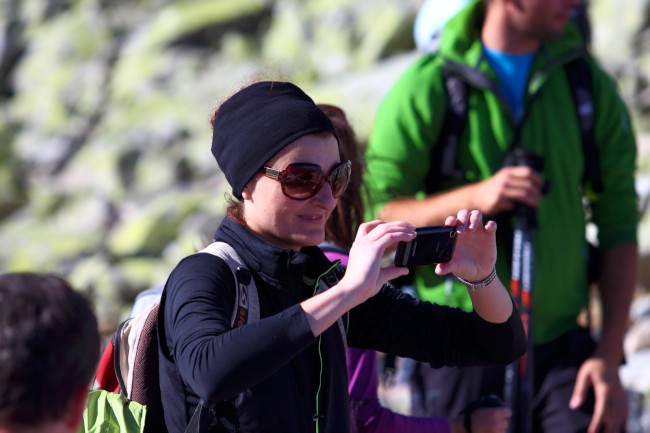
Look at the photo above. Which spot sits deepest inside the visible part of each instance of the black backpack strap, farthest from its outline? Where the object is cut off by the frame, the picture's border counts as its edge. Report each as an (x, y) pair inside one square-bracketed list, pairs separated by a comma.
[(581, 84), (443, 156), (116, 341), (580, 17)]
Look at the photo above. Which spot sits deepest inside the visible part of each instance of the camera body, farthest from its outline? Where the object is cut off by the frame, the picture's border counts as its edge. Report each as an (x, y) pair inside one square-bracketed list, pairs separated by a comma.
[(432, 245)]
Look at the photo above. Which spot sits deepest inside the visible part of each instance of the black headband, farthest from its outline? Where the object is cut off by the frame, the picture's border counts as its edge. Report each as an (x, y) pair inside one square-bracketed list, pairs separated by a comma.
[(256, 123)]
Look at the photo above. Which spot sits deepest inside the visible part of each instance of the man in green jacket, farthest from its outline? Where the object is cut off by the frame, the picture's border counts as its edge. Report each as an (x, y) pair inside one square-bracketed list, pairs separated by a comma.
[(512, 54)]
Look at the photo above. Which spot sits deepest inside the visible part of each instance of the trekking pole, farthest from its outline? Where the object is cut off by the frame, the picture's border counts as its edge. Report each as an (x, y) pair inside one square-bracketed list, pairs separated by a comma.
[(518, 387), (526, 383), (512, 378), (518, 391)]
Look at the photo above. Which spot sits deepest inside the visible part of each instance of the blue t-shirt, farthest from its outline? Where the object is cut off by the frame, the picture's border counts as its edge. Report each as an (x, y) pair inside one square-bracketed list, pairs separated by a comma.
[(512, 71)]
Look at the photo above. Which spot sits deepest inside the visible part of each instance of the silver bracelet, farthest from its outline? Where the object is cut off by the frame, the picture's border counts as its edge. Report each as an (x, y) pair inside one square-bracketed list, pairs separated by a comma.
[(480, 284)]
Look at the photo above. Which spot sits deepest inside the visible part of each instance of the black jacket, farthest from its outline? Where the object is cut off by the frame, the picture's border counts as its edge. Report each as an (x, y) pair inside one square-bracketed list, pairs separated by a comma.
[(273, 375)]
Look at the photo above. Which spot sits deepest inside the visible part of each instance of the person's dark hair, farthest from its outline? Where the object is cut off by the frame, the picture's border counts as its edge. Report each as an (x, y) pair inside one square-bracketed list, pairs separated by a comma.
[(49, 347), (343, 223)]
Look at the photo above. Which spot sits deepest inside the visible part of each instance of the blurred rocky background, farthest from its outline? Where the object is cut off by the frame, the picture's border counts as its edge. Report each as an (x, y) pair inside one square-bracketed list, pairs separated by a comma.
[(106, 175), (105, 164)]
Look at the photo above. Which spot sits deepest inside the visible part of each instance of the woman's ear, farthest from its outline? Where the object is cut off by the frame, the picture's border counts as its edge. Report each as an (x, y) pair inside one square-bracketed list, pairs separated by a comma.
[(249, 189), (246, 193)]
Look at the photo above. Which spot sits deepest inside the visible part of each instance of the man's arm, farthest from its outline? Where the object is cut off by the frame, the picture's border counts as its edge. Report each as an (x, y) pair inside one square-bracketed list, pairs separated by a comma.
[(615, 213), (616, 286), (493, 195)]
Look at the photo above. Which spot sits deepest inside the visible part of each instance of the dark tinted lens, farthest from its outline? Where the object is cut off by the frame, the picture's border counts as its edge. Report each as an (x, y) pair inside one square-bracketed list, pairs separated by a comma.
[(339, 178), (302, 181)]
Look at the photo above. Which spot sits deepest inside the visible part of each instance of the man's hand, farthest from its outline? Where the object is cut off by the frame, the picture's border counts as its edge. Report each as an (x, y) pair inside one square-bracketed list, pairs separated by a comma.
[(509, 186), (610, 408)]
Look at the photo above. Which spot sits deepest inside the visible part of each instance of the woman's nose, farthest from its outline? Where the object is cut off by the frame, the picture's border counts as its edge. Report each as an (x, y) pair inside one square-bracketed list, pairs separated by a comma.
[(325, 196)]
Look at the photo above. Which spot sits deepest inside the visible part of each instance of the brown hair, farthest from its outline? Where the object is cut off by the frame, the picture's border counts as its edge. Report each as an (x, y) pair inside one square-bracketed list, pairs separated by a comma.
[(344, 221)]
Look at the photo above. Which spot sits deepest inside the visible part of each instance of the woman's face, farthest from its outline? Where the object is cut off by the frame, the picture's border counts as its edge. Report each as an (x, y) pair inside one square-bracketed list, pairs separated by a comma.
[(283, 221)]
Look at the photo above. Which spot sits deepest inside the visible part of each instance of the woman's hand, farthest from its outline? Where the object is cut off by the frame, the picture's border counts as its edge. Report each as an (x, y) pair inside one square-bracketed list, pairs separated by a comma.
[(474, 259), (364, 275), (476, 250)]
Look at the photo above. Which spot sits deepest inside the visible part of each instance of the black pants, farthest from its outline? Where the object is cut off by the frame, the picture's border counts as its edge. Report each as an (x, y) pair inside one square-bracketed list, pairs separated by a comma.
[(446, 391)]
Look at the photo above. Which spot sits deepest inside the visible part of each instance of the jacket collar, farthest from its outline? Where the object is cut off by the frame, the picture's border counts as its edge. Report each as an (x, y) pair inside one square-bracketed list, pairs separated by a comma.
[(460, 41), (274, 264)]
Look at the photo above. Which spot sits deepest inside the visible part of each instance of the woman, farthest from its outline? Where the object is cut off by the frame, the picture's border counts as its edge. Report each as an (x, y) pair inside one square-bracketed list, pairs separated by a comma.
[(287, 371), (366, 412)]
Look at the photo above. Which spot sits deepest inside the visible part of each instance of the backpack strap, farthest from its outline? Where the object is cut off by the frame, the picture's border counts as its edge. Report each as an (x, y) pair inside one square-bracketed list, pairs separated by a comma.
[(443, 158), (142, 377), (144, 380), (245, 310), (118, 364), (332, 278), (581, 85), (343, 321), (135, 364), (247, 304)]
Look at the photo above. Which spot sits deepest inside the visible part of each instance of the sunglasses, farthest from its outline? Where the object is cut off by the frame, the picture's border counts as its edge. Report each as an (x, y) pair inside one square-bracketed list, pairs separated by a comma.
[(302, 181)]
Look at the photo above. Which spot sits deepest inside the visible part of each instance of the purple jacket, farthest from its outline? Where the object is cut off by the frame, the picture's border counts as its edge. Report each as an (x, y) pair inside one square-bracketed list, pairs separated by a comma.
[(367, 414)]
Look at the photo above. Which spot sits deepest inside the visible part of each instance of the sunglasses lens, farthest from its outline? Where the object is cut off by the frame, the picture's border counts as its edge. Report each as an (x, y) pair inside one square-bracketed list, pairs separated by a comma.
[(339, 178), (302, 182)]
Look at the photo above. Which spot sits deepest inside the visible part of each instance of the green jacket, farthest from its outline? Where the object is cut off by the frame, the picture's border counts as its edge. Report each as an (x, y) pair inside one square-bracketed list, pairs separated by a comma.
[(409, 120)]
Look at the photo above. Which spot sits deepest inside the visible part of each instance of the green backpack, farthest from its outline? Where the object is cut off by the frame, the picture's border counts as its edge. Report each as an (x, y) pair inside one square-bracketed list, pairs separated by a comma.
[(109, 412)]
